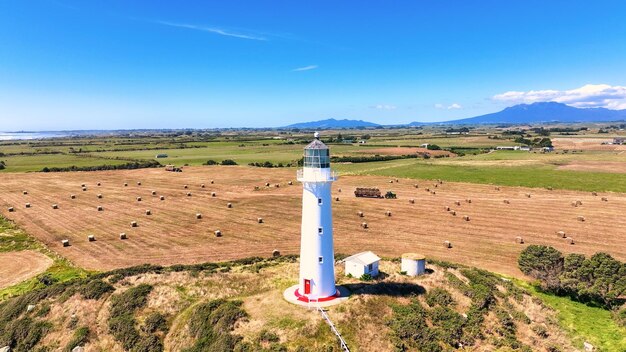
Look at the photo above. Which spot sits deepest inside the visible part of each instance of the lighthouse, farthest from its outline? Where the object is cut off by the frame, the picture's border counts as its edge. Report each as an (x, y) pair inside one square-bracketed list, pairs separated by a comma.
[(317, 259)]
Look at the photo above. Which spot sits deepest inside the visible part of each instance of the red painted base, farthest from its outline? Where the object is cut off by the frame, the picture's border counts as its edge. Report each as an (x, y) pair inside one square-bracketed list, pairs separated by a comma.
[(303, 298)]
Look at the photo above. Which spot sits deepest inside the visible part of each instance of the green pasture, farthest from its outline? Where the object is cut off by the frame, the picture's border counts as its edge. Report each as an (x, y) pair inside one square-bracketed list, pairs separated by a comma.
[(26, 163)]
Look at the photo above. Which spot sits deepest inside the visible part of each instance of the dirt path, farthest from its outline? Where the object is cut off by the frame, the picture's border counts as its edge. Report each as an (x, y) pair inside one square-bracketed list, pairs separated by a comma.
[(19, 266)]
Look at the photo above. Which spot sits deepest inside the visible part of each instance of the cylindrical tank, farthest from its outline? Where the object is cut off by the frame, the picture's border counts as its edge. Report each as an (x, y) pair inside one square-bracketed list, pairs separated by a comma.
[(413, 264)]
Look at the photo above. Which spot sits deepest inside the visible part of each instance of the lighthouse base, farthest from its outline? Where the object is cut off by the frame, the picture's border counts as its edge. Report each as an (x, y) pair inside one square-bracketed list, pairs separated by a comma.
[(293, 296)]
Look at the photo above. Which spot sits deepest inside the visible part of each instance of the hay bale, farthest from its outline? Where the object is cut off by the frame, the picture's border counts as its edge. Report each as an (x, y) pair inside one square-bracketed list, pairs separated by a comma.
[(580, 218), (605, 199), (259, 220), (212, 182), (519, 240), (153, 193), (360, 214), (458, 202), (11, 209), (267, 184), (55, 206), (433, 192), (198, 216), (275, 253), (388, 213), (125, 184), (148, 212), (218, 233), (72, 196), (83, 185), (123, 236), (506, 201), (162, 197), (397, 181), (27, 205), (139, 199), (213, 194), (446, 208), (468, 200), (427, 189), (138, 183), (412, 201), (98, 184), (65, 243), (594, 193), (24, 192), (229, 205), (390, 181), (569, 240), (497, 188), (99, 208), (550, 188), (453, 212), (336, 199), (364, 225), (84, 189), (91, 238), (256, 188), (133, 224), (277, 185), (466, 217), (436, 185), (579, 202), (202, 185), (447, 244), (561, 234), (416, 185), (527, 195), (339, 190), (290, 183), (188, 194), (185, 186), (574, 204), (100, 195)]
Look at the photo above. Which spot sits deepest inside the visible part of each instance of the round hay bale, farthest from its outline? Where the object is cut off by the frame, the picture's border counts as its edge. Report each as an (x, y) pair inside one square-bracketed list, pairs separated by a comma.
[(84, 189), (55, 206), (212, 182), (412, 201), (339, 190), (256, 188), (125, 184), (139, 199), (519, 240), (162, 197), (574, 204), (290, 183), (198, 216), (360, 214), (148, 212), (466, 217), (579, 202), (259, 220), (11, 209), (605, 199), (229, 205), (153, 193), (506, 201), (388, 213), (336, 199), (83, 185), (581, 218), (138, 183), (267, 184), (453, 212), (416, 185), (99, 208), (275, 253), (527, 195), (561, 234), (427, 189), (91, 238), (447, 244), (458, 202), (123, 236), (569, 240), (433, 192), (397, 181), (446, 208), (27, 205), (188, 194), (98, 184), (133, 224), (185, 186), (364, 225), (468, 200), (99, 195), (497, 188), (213, 194), (436, 185), (202, 185), (277, 185), (594, 193), (72, 196), (218, 233), (65, 243), (390, 181), (24, 192)]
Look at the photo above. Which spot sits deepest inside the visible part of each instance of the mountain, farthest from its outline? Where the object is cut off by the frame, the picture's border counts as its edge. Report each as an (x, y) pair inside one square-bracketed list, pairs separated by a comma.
[(542, 112), (333, 123)]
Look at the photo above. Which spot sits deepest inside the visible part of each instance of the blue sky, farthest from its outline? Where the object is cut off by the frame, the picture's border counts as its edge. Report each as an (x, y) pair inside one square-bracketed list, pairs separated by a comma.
[(202, 64)]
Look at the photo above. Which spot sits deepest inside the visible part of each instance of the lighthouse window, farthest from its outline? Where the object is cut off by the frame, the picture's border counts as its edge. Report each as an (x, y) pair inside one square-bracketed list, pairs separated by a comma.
[(320, 230), (317, 158), (320, 260), (319, 201)]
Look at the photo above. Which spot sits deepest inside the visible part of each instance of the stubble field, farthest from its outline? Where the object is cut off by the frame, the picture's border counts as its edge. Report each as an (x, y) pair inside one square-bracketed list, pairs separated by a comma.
[(172, 233)]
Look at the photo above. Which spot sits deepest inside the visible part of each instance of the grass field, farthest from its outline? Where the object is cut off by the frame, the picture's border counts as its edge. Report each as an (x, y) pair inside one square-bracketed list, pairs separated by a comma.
[(172, 234)]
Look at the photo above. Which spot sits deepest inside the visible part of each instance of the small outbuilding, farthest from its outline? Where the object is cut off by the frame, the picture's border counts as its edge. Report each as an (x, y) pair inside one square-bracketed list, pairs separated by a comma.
[(413, 264), (362, 263)]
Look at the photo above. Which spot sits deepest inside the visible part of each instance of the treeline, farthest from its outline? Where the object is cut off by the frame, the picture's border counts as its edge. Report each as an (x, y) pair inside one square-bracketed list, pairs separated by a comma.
[(366, 159), (267, 164), (223, 162), (537, 142), (128, 166), (599, 279)]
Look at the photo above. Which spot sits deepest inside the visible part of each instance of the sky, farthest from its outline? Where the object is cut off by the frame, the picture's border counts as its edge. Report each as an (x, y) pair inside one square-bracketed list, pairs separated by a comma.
[(212, 64)]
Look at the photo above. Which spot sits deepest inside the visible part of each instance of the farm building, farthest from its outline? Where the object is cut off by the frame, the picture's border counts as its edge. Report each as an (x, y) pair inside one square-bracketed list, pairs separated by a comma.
[(619, 140), (413, 264), (362, 263), (159, 156)]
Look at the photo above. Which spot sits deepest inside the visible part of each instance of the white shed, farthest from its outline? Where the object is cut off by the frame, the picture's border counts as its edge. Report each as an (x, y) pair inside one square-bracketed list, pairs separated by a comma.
[(413, 264), (362, 263)]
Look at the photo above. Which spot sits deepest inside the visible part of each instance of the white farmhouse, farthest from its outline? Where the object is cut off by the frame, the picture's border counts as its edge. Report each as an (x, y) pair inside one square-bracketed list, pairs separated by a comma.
[(362, 263)]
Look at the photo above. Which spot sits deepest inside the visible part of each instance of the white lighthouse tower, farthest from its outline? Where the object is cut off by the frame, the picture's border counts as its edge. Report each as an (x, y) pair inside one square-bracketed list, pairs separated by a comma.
[(317, 260)]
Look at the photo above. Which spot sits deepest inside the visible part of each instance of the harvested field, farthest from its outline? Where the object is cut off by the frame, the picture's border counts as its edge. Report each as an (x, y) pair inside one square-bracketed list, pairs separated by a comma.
[(19, 266), (405, 151), (172, 234), (595, 166), (586, 144)]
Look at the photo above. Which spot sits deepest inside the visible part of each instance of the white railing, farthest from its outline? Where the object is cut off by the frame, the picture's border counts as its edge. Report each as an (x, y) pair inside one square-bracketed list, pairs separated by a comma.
[(316, 175), (343, 343)]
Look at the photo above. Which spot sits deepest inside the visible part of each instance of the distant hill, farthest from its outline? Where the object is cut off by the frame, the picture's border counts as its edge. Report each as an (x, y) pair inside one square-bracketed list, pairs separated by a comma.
[(542, 112), (333, 123)]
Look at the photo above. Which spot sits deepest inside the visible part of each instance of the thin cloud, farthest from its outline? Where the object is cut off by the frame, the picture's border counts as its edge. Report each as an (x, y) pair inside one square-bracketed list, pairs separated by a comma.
[(384, 107), (587, 96), (305, 68), (454, 106), (213, 30)]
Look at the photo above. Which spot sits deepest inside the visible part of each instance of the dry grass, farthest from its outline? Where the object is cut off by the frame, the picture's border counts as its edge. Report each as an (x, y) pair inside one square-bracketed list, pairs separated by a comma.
[(172, 234), (19, 266)]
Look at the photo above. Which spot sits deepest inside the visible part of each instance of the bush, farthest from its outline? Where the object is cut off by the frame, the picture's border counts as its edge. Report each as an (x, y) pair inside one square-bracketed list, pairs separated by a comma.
[(23, 334), (95, 289), (543, 263), (211, 162), (211, 324), (433, 147), (228, 162), (439, 297), (366, 277), (541, 331), (81, 336), (155, 322)]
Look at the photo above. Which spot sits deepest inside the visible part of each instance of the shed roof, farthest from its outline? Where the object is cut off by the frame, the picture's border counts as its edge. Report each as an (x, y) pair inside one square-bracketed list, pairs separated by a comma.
[(363, 258), (413, 256)]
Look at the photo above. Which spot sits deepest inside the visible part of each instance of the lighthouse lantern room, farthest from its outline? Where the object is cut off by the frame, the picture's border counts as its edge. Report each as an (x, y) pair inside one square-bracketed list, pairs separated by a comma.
[(317, 260)]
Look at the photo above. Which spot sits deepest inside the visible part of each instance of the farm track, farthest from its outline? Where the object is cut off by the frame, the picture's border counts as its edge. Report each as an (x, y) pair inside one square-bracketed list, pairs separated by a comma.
[(172, 234)]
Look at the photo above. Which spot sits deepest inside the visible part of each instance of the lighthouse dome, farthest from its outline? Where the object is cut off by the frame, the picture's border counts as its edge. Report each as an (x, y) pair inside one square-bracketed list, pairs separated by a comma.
[(317, 154)]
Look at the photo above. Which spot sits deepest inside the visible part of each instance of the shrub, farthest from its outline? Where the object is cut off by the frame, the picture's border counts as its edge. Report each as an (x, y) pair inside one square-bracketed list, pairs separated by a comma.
[(228, 162), (541, 331), (81, 336), (211, 324), (543, 263), (366, 277), (439, 297), (95, 289), (155, 322), (211, 162), (23, 334)]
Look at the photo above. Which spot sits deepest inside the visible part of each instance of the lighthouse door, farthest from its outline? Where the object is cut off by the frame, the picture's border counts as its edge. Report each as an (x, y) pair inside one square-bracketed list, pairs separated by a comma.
[(307, 286)]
